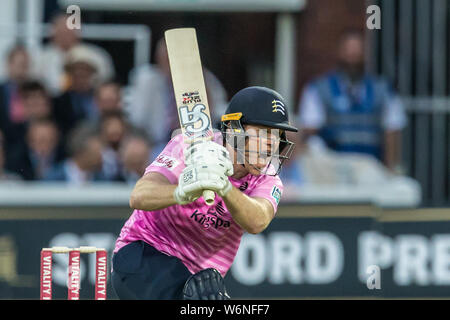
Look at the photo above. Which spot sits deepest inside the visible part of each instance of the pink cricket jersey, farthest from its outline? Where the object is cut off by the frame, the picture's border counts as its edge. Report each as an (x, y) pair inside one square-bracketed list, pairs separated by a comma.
[(201, 236)]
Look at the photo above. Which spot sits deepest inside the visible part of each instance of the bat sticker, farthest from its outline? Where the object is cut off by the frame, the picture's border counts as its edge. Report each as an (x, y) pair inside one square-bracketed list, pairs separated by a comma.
[(189, 119), (191, 97)]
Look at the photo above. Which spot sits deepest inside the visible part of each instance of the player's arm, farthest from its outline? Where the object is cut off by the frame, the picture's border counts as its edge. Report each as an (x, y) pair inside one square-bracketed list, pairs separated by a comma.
[(252, 214), (152, 192), (209, 167)]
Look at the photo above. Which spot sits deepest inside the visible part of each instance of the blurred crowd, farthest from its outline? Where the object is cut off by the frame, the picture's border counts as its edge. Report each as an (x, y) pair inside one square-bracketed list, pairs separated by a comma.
[(63, 117), (351, 123)]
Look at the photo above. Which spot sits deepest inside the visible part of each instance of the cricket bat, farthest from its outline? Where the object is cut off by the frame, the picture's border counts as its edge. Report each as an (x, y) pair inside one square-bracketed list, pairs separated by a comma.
[(189, 88)]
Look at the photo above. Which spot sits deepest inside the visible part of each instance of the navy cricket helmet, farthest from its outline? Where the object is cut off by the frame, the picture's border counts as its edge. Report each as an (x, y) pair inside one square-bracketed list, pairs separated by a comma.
[(258, 106)]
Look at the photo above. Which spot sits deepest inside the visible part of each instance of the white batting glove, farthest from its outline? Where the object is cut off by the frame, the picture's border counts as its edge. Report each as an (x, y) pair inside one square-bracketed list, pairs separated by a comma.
[(209, 152), (199, 177)]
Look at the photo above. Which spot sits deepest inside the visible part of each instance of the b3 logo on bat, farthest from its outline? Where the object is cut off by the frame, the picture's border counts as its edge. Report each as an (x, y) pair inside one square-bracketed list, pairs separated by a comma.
[(189, 119)]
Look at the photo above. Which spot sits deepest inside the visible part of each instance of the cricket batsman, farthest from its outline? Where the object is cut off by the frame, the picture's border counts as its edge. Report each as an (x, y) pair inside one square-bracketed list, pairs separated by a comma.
[(174, 245)]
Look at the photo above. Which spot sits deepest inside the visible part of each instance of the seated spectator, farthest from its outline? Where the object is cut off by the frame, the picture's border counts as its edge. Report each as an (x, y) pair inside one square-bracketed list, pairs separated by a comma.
[(36, 101), (5, 175), (37, 106), (113, 129), (40, 153), (135, 155), (108, 97), (152, 105), (49, 65), (12, 113), (85, 159), (77, 103), (352, 110)]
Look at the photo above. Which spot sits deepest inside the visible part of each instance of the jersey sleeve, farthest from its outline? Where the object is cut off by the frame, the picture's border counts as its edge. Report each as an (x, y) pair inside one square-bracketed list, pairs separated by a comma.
[(270, 188), (170, 161)]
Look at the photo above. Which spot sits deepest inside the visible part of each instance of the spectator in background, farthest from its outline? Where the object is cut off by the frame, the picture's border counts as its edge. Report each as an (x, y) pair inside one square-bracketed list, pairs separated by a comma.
[(113, 129), (4, 174), (152, 104), (36, 101), (135, 155), (85, 159), (49, 65), (77, 103), (12, 112), (36, 106), (41, 151), (351, 110), (108, 97)]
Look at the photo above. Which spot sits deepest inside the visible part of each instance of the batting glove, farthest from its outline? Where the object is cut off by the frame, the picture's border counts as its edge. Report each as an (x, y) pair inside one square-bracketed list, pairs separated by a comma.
[(196, 178), (209, 152)]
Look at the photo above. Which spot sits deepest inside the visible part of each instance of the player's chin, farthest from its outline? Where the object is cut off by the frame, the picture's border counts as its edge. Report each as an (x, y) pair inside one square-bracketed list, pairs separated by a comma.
[(254, 170)]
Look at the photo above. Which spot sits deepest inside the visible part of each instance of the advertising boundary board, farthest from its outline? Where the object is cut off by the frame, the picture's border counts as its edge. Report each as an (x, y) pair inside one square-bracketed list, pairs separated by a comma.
[(308, 251)]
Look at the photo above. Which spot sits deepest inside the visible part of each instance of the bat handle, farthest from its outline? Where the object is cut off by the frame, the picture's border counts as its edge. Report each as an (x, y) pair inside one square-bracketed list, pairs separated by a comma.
[(209, 196)]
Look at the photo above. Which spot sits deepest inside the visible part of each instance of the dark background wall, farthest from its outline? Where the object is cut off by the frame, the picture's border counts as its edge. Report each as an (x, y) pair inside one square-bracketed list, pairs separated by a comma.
[(233, 45)]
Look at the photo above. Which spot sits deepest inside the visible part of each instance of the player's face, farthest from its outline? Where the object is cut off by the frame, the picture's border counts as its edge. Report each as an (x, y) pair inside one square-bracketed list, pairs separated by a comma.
[(262, 143)]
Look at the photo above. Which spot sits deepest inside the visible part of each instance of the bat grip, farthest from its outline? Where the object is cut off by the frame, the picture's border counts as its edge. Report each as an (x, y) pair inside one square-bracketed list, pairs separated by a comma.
[(209, 196)]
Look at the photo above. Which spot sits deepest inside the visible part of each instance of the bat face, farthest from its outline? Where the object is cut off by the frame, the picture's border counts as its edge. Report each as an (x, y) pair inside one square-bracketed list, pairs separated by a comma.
[(188, 83), (189, 89)]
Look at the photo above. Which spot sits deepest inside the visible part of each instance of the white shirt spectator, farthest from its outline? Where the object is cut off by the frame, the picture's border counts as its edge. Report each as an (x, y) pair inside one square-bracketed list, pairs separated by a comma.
[(312, 114), (49, 66)]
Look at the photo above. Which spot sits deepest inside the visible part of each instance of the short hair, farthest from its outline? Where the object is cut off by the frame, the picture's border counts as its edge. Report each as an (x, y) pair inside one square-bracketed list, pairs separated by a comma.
[(137, 135), (141, 134), (79, 138), (113, 114), (32, 86)]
